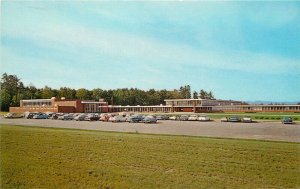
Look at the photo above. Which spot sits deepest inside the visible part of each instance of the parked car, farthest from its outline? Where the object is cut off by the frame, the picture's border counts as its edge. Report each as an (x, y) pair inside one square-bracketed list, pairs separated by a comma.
[(29, 115), (40, 116), (94, 117), (247, 119), (224, 119), (117, 119), (13, 115), (135, 118), (234, 119), (287, 120), (203, 118), (193, 118), (173, 118), (183, 118), (104, 117), (80, 117), (56, 115), (65, 117), (149, 119), (162, 117)]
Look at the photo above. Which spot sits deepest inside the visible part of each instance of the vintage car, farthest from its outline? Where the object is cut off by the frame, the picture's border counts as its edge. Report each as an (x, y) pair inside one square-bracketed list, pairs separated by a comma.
[(149, 119), (13, 115), (234, 119), (183, 118), (80, 117), (40, 116), (193, 118), (247, 119), (287, 120), (135, 118), (203, 118), (119, 118), (224, 119)]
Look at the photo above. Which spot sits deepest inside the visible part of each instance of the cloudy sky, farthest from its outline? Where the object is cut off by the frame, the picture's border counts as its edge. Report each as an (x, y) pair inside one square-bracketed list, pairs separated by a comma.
[(239, 50)]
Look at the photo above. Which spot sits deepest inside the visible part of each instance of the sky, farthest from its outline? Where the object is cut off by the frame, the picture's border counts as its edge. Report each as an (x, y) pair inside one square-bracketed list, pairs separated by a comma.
[(238, 50)]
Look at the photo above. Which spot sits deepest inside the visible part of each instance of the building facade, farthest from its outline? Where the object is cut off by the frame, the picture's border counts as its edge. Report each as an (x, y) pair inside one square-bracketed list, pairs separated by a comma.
[(60, 105), (171, 105)]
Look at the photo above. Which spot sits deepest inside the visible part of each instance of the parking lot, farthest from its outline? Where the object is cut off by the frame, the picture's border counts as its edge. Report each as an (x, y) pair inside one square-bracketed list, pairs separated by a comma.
[(275, 131)]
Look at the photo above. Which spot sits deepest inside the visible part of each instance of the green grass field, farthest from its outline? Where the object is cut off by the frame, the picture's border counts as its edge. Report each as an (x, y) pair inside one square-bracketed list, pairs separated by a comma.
[(59, 158)]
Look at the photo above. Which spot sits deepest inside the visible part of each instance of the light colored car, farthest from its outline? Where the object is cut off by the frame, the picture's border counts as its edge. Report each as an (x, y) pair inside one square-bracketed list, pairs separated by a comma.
[(183, 118), (80, 117), (149, 119), (193, 118), (203, 118), (117, 119), (173, 118), (13, 115), (65, 117), (247, 119), (104, 117), (224, 119)]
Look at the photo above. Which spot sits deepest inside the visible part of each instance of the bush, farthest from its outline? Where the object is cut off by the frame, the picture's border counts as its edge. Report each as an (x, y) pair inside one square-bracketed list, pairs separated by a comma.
[(272, 117), (295, 118), (256, 117), (262, 117), (267, 118), (278, 118)]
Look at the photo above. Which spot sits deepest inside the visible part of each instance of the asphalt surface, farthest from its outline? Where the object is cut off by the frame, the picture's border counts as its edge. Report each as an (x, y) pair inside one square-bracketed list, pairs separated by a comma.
[(274, 131)]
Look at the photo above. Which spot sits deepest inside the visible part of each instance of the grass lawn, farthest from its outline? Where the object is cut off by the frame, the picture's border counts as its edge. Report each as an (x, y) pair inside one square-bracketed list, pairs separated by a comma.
[(60, 158)]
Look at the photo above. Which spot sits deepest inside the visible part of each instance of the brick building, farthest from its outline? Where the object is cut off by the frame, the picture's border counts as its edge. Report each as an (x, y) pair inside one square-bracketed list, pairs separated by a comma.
[(60, 105)]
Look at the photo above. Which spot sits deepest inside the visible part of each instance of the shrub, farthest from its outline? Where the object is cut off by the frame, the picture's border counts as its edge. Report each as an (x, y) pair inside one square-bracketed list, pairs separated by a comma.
[(266, 117), (262, 117), (295, 118), (272, 117), (278, 118)]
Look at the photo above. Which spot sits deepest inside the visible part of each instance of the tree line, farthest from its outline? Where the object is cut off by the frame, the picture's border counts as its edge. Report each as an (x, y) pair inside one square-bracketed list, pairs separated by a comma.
[(13, 90)]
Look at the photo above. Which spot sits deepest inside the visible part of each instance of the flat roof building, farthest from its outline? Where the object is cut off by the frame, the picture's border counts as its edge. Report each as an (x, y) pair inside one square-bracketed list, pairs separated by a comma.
[(171, 105)]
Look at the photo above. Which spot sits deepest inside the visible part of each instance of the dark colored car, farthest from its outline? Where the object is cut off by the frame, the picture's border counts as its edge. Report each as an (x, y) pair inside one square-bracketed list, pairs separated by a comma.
[(30, 115), (149, 119), (234, 119), (287, 120), (135, 118), (162, 117)]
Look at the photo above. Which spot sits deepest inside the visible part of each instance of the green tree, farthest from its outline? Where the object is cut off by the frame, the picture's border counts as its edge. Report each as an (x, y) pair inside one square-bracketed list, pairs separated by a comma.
[(185, 92), (67, 92), (47, 92), (82, 94), (195, 95), (12, 88)]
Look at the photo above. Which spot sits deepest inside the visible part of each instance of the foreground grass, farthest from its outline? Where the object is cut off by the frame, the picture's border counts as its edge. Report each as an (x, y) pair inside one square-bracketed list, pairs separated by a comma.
[(57, 158)]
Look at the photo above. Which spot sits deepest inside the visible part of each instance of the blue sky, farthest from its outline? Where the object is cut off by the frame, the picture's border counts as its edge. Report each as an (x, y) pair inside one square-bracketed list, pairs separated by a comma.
[(238, 50)]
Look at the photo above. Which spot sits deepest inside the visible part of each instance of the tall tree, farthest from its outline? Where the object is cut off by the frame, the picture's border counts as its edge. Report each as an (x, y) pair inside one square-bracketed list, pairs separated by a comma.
[(185, 92), (47, 92), (82, 94), (67, 92), (12, 88), (195, 95)]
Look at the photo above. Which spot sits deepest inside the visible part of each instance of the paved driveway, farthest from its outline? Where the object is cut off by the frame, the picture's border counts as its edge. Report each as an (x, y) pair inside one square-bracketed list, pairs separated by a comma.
[(264, 130)]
